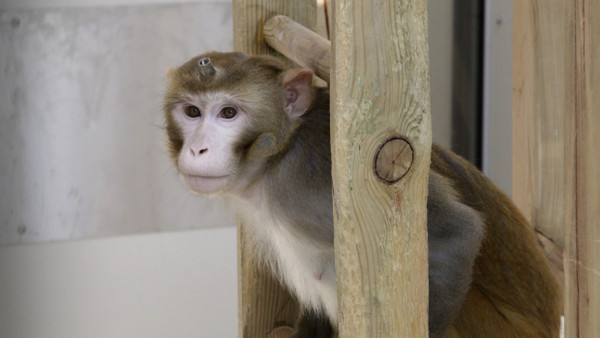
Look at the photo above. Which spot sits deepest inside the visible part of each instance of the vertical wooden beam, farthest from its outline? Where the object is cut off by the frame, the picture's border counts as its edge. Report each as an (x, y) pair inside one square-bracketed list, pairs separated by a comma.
[(582, 261), (263, 303), (543, 119), (381, 141), (556, 119), (543, 113)]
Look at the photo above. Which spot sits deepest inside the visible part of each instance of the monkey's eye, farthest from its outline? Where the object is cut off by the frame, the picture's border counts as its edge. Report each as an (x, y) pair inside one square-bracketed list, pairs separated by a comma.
[(192, 111), (228, 113)]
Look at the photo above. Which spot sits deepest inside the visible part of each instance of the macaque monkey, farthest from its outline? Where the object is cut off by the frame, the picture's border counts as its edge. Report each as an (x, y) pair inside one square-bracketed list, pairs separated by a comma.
[(254, 131)]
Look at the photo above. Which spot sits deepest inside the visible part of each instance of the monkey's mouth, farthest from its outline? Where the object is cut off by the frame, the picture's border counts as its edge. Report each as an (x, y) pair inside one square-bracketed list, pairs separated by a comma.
[(203, 177), (205, 183)]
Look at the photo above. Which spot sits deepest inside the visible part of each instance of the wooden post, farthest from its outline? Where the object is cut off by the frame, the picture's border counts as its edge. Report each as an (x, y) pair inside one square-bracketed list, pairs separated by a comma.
[(556, 135), (381, 142), (309, 50), (263, 304)]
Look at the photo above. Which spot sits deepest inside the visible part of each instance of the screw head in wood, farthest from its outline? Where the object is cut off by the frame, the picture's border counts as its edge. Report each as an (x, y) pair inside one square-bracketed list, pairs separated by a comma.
[(393, 159)]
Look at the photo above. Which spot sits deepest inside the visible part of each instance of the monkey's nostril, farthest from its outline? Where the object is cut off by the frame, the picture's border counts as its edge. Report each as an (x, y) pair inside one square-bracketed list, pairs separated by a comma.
[(195, 152)]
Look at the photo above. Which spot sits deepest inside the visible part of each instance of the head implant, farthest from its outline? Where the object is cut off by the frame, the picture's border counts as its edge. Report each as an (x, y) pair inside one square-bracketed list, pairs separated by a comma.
[(206, 67)]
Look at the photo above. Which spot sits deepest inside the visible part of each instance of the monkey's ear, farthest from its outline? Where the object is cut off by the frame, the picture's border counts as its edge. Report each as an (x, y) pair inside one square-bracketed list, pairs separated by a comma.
[(297, 91), (170, 73)]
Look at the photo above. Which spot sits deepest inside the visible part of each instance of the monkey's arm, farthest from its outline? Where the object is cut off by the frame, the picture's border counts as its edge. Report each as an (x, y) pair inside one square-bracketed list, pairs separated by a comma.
[(455, 232)]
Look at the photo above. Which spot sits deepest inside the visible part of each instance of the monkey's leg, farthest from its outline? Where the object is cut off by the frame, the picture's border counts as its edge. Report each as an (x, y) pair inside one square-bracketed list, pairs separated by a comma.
[(311, 325)]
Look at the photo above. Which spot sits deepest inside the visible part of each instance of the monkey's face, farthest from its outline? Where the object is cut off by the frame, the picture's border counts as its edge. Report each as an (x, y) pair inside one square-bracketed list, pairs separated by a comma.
[(228, 114), (210, 124), (225, 117)]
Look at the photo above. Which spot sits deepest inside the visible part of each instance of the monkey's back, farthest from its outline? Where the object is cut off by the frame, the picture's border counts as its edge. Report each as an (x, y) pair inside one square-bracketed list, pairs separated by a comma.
[(513, 293)]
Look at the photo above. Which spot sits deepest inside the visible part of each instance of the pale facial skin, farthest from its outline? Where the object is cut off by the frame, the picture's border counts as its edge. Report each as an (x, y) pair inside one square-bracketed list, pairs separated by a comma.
[(210, 124)]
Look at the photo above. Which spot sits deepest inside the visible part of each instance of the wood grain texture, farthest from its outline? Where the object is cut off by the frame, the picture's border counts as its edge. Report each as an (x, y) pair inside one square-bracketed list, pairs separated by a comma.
[(263, 303), (250, 16), (543, 103), (300, 44), (380, 89), (556, 164), (323, 19), (543, 120), (583, 240)]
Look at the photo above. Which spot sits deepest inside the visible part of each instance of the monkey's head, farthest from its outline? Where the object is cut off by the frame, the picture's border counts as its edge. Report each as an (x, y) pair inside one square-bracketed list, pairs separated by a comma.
[(228, 114)]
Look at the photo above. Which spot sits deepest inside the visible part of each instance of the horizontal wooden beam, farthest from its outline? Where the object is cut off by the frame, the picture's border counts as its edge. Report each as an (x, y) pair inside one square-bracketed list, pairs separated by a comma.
[(300, 44)]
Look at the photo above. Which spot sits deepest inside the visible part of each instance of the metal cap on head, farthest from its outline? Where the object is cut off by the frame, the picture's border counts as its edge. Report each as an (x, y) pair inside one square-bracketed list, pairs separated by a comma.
[(206, 67)]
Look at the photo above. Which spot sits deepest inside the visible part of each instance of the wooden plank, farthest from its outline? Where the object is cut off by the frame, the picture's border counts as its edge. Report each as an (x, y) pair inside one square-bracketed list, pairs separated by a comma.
[(556, 118), (323, 19), (263, 303), (543, 120), (583, 240), (380, 93)]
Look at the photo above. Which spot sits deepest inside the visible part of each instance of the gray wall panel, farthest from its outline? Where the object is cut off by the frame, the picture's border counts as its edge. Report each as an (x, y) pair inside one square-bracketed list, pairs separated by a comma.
[(81, 145)]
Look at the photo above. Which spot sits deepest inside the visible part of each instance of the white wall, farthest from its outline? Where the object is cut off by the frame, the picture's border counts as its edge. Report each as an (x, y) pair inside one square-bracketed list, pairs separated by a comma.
[(30, 4), (81, 145), (178, 284)]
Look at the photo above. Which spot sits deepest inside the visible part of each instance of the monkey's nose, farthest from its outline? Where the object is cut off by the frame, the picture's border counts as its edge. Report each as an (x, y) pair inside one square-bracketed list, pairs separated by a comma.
[(200, 152)]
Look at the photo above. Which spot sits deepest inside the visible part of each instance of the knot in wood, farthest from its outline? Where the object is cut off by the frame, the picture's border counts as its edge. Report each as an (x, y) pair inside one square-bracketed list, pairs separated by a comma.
[(393, 160)]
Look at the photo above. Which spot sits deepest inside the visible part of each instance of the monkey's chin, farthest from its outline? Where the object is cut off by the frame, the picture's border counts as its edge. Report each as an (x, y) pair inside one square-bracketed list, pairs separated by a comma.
[(206, 184)]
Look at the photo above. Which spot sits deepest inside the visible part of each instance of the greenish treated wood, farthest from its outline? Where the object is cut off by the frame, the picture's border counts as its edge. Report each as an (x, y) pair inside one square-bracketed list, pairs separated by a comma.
[(380, 90)]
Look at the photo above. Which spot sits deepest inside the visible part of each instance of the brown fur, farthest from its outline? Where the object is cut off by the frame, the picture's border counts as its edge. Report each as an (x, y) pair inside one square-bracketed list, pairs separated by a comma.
[(513, 293)]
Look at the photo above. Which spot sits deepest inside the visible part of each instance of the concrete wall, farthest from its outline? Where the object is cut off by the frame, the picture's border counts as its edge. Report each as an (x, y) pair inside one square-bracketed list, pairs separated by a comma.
[(81, 137)]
